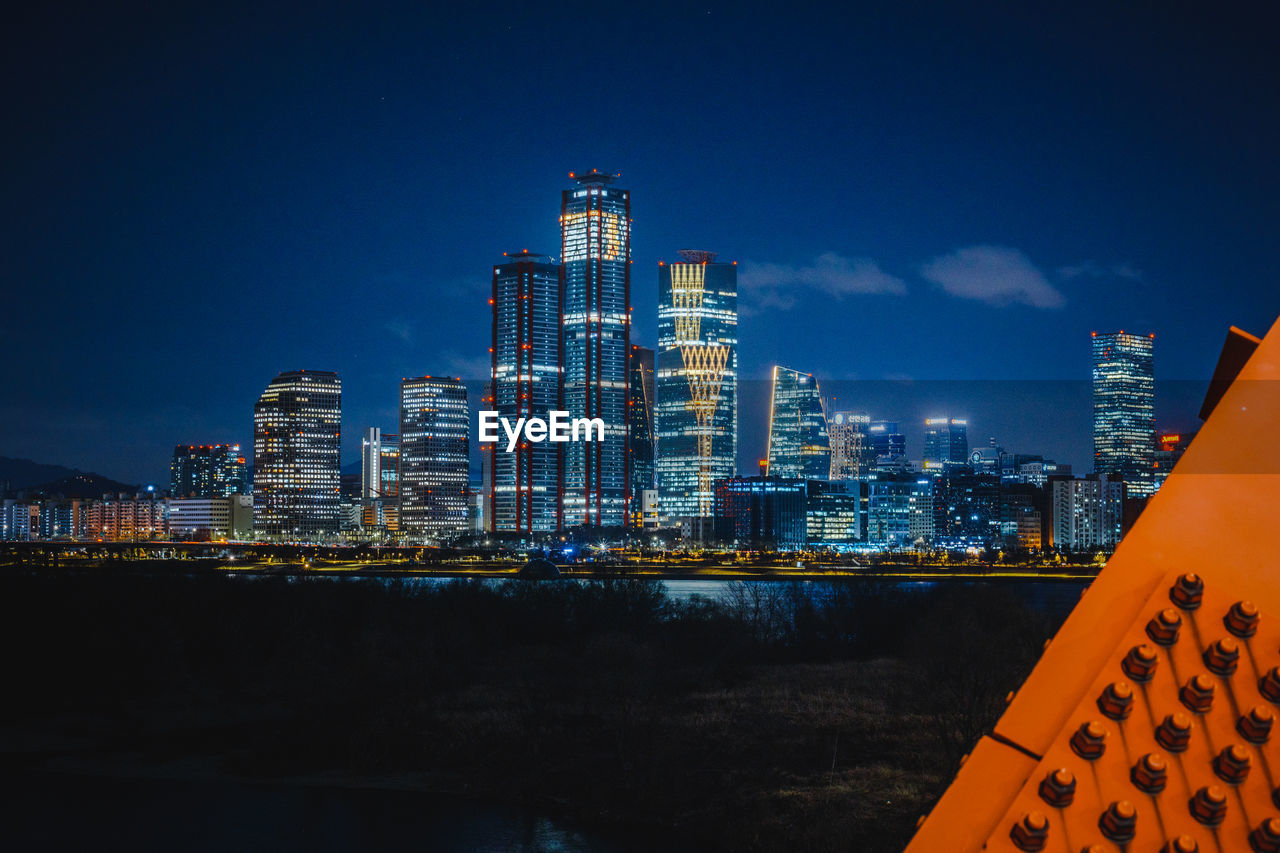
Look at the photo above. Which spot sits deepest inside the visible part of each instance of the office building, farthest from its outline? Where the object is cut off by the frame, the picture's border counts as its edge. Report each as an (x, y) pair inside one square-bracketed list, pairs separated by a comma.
[(763, 512), (946, 442), (1124, 429), (595, 229), (887, 443), (640, 425), (211, 519), (1086, 514), (966, 510), (379, 465), (798, 442), (836, 511), (1169, 449), (525, 383), (900, 512), (297, 440), (207, 471), (697, 384), (434, 464), (852, 454)]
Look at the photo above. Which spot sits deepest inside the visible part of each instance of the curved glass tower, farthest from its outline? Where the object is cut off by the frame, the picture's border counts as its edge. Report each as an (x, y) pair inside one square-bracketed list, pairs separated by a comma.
[(798, 442), (697, 382)]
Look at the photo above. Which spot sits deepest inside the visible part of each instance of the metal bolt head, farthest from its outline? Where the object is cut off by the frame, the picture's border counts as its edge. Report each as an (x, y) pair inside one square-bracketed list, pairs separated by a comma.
[(1151, 773), (1090, 740), (1209, 805), (1119, 821), (1181, 844), (1031, 832), (1242, 619), (1187, 591), (1174, 732), (1058, 788), (1197, 693), (1116, 700), (1269, 685), (1164, 627), (1255, 724), (1222, 656), (1232, 764), (1140, 663), (1265, 837)]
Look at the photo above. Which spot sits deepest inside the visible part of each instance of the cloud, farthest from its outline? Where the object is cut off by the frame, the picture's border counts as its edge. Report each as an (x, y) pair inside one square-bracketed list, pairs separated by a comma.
[(1092, 269), (776, 285), (993, 274)]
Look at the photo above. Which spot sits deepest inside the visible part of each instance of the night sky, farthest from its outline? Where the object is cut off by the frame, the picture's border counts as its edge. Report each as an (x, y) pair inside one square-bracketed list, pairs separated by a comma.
[(196, 198)]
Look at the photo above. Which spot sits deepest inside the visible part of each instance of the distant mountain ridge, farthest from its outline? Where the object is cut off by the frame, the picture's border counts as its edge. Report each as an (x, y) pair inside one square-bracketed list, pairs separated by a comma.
[(26, 475)]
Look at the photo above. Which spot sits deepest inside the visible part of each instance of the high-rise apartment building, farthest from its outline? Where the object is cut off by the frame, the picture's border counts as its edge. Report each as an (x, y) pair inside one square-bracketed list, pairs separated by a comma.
[(207, 471), (697, 382), (297, 438), (1124, 430), (852, 454), (1086, 514), (434, 464), (798, 441), (524, 487), (595, 229), (640, 426), (946, 442)]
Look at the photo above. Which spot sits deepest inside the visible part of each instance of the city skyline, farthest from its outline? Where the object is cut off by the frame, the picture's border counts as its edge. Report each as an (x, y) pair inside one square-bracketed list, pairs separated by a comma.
[(1073, 174)]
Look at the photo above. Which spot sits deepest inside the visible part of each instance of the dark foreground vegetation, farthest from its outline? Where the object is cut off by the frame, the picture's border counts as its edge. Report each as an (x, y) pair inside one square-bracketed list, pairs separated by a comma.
[(778, 717)]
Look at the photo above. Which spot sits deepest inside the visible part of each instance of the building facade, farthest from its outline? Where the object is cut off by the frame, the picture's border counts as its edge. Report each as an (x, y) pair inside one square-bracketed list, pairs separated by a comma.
[(946, 442), (297, 440), (900, 512), (640, 426), (887, 443), (595, 229), (697, 382), (211, 519), (798, 441), (1086, 514), (379, 465), (761, 512), (434, 461), (852, 454), (525, 382), (1124, 430), (207, 471)]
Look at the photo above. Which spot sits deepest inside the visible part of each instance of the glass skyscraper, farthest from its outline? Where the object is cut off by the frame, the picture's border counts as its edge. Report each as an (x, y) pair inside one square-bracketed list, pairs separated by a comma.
[(640, 415), (379, 464), (297, 439), (524, 489), (207, 471), (798, 442), (1124, 426), (697, 382), (595, 229), (434, 465), (946, 441)]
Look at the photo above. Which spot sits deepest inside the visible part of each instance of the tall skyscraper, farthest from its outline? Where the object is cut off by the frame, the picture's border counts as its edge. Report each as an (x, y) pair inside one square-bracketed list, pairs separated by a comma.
[(798, 442), (886, 441), (1124, 427), (379, 464), (946, 441), (297, 439), (524, 489), (207, 471), (697, 382), (640, 421), (852, 455), (434, 464), (595, 229)]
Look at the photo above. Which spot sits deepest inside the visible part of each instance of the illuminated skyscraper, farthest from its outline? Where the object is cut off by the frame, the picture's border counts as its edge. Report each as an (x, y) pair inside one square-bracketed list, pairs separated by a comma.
[(379, 464), (946, 441), (595, 229), (297, 437), (886, 441), (798, 442), (640, 420), (434, 465), (697, 382), (852, 455), (1124, 430), (525, 382), (207, 471)]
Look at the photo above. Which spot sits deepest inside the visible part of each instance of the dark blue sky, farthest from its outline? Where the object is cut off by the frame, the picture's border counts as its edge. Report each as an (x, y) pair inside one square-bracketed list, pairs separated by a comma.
[(197, 198)]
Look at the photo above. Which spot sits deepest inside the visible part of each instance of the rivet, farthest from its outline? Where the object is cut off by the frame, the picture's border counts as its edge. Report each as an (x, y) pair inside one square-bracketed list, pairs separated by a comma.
[(1175, 732), (1187, 591), (1164, 626), (1197, 693), (1119, 821), (1151, 773), (1030, 833), (1058, 788), (1232, 764), (1222, 656), (1116, 700), (1242, 619), (1140, 663), (1255, 725)]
